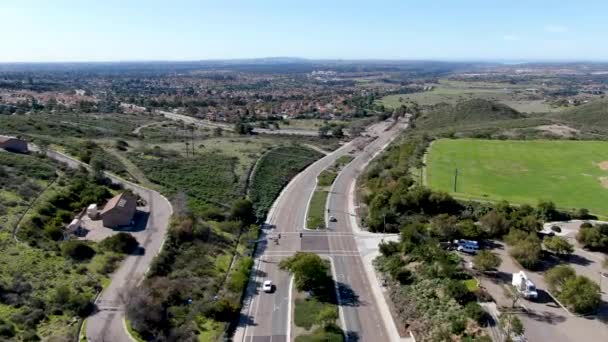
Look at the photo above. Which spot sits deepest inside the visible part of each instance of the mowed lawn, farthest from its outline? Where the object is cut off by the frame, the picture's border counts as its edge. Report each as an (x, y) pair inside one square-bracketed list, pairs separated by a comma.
[(565, 172)]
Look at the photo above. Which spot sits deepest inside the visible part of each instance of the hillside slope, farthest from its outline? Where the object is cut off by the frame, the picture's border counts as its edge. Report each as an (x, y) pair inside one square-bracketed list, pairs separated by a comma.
[(592, 115), (473, 111)]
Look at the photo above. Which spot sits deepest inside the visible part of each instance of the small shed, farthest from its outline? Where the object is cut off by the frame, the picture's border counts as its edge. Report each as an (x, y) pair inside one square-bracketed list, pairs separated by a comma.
[(119, 210), (13, 144), (93, 212)]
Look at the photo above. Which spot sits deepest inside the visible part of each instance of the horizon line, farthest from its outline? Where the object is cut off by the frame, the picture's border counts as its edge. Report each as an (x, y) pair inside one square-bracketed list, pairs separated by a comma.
[(304, 59)]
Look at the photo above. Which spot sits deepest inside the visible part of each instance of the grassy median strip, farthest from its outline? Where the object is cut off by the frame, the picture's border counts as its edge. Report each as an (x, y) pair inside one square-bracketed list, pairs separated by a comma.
[(316, 210), (326, 178), (315, 306)]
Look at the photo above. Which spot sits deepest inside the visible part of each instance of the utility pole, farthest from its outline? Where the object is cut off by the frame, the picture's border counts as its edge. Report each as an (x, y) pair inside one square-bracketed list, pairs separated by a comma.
[(192, 140), (455, 179), (384, 221)]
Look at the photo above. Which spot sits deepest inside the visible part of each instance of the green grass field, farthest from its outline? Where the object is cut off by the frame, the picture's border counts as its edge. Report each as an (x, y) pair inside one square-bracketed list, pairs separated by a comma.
[(565, 172), (452, 92)]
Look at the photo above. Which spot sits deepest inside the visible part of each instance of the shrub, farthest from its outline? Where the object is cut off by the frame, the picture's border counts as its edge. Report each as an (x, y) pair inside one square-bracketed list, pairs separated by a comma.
[(527, 252), (404, 276), (515, 236), (458, 325), (558, 245), (242, 210), (581, 294), (120, 243), (7, 330), (475, 312), (310, 271), (486, 261), (558, 275), (457, 290), (77, 250), (592, 237)]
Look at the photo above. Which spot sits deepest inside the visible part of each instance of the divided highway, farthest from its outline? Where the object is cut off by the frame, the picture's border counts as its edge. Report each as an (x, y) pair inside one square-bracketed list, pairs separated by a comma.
[(267, 317)]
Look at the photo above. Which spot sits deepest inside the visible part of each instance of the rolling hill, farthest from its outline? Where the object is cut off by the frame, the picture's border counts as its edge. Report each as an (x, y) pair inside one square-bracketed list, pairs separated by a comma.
[(591, 115), (473, 111)]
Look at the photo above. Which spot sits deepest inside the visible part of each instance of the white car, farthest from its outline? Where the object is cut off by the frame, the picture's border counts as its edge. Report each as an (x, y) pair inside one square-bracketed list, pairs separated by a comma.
[(267, 287), (333, 219)]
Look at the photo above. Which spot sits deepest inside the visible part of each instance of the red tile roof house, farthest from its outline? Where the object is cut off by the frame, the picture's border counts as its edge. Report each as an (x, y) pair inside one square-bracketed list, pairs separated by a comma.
[(119, 210), (13, 144)]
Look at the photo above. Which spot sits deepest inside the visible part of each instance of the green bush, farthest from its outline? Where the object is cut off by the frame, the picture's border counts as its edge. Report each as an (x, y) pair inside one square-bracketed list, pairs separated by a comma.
[(581, 294), (527, 252), (120, 243), (77, 250), (474, 311)]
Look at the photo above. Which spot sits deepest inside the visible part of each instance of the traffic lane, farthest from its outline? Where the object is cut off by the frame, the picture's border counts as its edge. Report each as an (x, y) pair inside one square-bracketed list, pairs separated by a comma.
[(266, 305), (347, 299), (360, 312)]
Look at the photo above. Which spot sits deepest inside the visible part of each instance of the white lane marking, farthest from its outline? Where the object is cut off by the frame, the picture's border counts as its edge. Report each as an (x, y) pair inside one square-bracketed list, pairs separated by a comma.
[(253, 295), (289, 309)]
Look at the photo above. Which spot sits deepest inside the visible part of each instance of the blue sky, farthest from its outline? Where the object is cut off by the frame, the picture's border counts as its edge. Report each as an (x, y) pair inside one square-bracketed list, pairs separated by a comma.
[(113, 30)]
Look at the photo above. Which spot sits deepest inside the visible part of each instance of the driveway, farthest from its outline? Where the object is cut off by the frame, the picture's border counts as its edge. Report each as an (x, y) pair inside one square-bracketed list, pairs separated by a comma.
[(106, 323)]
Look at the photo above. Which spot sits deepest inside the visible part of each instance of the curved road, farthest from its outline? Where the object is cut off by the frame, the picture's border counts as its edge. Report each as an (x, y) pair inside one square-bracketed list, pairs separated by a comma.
[(212, 124), (106, 323), (266, 317)]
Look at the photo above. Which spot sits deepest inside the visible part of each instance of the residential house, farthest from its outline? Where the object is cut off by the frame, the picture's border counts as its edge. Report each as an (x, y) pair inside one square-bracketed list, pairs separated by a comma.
[(119, 210)]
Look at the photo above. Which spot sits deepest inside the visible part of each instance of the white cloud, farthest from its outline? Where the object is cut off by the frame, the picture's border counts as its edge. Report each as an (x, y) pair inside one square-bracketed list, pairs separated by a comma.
[(510, 37), (556, 28)]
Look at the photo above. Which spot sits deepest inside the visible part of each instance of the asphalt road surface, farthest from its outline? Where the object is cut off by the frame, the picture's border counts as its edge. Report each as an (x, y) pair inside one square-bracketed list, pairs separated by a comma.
[(106, 323), (266, 317)]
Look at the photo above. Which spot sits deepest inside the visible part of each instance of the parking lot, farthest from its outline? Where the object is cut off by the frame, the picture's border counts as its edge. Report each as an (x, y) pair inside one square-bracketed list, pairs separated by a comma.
[(94, 230), (544, 319)]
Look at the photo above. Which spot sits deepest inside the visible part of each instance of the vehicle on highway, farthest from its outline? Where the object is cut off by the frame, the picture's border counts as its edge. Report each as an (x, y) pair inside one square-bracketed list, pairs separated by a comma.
[(267, 287), (333, 219), (524, 286)]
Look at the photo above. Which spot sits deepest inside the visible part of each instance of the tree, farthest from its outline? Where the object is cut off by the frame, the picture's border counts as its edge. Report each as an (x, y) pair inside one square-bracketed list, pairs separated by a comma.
[(547, 211), (337, 132), (591, 237), (146, 313), (309, 270), (97, 168), (243, 128), (558, 275), (494, 223), (581, 294), (486, 261), (527, 252), (77, 250), (515, 236), (120, 243), (242, 210), (511, 324), (218, 131), (323, 131), (327, 315), (457, 290), (558, 245), (469, 230), (444, 227)]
